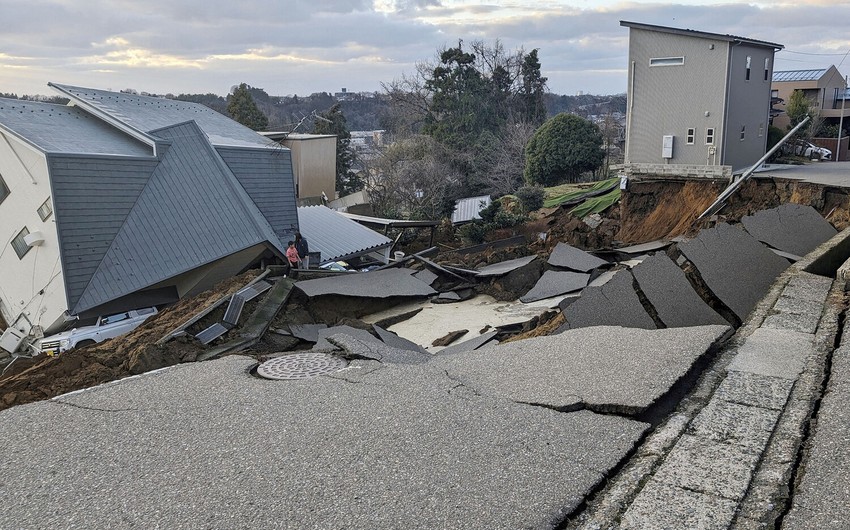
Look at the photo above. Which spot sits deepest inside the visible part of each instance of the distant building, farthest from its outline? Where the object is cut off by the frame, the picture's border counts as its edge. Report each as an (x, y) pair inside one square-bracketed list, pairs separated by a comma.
[(697, 98), (120, 201), (824, 88), (313, 165)]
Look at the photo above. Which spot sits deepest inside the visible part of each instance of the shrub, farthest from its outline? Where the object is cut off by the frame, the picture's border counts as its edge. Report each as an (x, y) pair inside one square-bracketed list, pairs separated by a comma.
[(531, 197)]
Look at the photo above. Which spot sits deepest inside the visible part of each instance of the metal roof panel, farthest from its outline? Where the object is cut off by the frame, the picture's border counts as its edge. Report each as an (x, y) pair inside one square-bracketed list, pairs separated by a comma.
[(337, 236)]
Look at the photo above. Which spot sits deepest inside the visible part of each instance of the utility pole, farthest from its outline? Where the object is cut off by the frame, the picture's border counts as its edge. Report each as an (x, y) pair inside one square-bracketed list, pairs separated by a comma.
[(841, 121)]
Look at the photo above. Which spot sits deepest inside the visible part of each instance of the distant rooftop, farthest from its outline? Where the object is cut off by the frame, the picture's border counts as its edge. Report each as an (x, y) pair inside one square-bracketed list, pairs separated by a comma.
[(798, 75), (702, 34), (62, 129)]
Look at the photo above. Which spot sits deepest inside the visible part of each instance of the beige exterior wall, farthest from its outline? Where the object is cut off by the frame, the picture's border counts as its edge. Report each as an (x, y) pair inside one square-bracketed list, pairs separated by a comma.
[(32, 291), (669, 100), (820, 92), (313, 164)]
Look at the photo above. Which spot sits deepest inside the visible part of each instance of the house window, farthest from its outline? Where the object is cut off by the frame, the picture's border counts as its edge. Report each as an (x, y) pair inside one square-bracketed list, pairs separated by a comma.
[(766, 68), (19, 245), (691, 134), (743, 131), (774, 93), (667, 61), (709, 136), (749, 62), (45, 210), (4, 190), (761, 130)]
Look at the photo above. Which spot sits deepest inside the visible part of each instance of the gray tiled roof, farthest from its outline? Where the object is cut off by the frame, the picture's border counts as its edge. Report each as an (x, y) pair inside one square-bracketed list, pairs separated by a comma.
[(147, 113), (798, 75), (191, 212), (336, 236), (63, 129)]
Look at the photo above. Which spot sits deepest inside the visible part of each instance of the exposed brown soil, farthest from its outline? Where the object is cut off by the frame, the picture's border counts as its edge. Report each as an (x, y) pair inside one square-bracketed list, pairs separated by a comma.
[(43, 377), (651, 209)]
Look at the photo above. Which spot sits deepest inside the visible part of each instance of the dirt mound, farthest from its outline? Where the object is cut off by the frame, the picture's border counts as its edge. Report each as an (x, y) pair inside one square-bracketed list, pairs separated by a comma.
[(43, 377)]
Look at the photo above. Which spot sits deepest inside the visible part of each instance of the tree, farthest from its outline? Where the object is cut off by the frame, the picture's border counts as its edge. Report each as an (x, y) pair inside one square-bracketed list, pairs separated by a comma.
[(333, 122), (562, 149), (797, 108), (531, 94), (414, 178), (242, 108)]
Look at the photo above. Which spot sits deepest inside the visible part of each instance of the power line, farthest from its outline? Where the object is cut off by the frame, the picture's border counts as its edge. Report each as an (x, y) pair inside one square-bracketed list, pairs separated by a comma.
[(810, 53)]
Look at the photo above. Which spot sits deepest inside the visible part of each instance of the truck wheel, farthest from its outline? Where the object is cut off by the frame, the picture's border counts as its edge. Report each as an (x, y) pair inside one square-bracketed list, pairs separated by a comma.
[(84, 343)]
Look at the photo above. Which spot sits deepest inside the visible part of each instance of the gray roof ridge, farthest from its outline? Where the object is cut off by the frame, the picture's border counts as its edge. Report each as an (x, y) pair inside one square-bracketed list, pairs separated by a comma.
[(246, 200), (102, 114)]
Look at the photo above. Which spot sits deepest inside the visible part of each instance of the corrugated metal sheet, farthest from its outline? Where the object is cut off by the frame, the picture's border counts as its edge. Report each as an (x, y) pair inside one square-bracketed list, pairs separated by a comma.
[(192, 212), (336, 236), (798, 75), (62, 129), (467, 209)]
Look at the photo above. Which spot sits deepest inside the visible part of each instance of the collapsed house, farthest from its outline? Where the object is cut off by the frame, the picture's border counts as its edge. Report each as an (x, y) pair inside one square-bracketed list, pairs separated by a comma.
[(118, 201)]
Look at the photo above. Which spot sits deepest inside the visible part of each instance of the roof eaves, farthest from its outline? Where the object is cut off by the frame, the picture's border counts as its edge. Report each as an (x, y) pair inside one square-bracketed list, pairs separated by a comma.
[(702, 34), (108, 118), (22, 138)]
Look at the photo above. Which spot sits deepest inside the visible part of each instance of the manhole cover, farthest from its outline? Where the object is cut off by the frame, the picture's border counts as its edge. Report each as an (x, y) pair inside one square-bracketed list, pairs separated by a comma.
[(301, 366)]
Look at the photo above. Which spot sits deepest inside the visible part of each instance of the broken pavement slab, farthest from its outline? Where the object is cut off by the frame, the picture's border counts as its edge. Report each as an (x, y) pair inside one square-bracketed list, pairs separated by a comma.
[(737, 268), (393, 340), (375, 284), (306, 332), (377, 351), (469, 345), (792, 228), (569, 257), (615, 303), (555, 283), (667, 288), (297, 453), (504, 267), (608, 368), (361, 334)]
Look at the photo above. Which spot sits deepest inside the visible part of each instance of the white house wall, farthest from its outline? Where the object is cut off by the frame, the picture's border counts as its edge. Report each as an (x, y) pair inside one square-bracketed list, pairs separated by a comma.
[(31, 288), (669, 100)]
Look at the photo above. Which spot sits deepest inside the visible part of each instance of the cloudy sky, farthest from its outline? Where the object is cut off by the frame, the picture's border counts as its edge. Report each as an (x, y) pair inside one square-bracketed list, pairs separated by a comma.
[(306, 46)]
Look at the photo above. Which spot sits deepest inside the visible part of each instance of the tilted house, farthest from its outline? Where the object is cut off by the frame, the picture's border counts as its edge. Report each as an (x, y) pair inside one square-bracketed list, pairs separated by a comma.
[(696, 98), (120, 201)]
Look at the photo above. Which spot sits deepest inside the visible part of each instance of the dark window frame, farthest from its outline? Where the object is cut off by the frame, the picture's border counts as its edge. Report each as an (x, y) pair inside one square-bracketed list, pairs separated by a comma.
[(4, 190), (20, 247)]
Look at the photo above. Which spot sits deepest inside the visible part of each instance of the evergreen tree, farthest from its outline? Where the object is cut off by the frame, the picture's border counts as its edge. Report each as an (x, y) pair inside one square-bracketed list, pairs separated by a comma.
[(333, 122), (562, 149), (242, 108), (532, 105)]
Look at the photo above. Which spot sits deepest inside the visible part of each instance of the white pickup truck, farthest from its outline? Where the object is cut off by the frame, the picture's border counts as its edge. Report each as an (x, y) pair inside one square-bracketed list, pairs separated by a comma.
[(106, 328)]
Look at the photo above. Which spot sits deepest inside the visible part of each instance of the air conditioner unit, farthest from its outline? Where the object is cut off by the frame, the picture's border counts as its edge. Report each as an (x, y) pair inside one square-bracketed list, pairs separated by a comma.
[(34, 238), (11, 340)]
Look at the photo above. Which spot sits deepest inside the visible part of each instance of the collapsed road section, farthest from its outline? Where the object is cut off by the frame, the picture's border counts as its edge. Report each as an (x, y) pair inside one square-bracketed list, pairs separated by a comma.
[(542, 421)]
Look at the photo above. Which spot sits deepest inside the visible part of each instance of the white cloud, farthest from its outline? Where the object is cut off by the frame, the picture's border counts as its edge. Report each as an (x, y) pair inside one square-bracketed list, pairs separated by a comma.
[(304, 46)]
